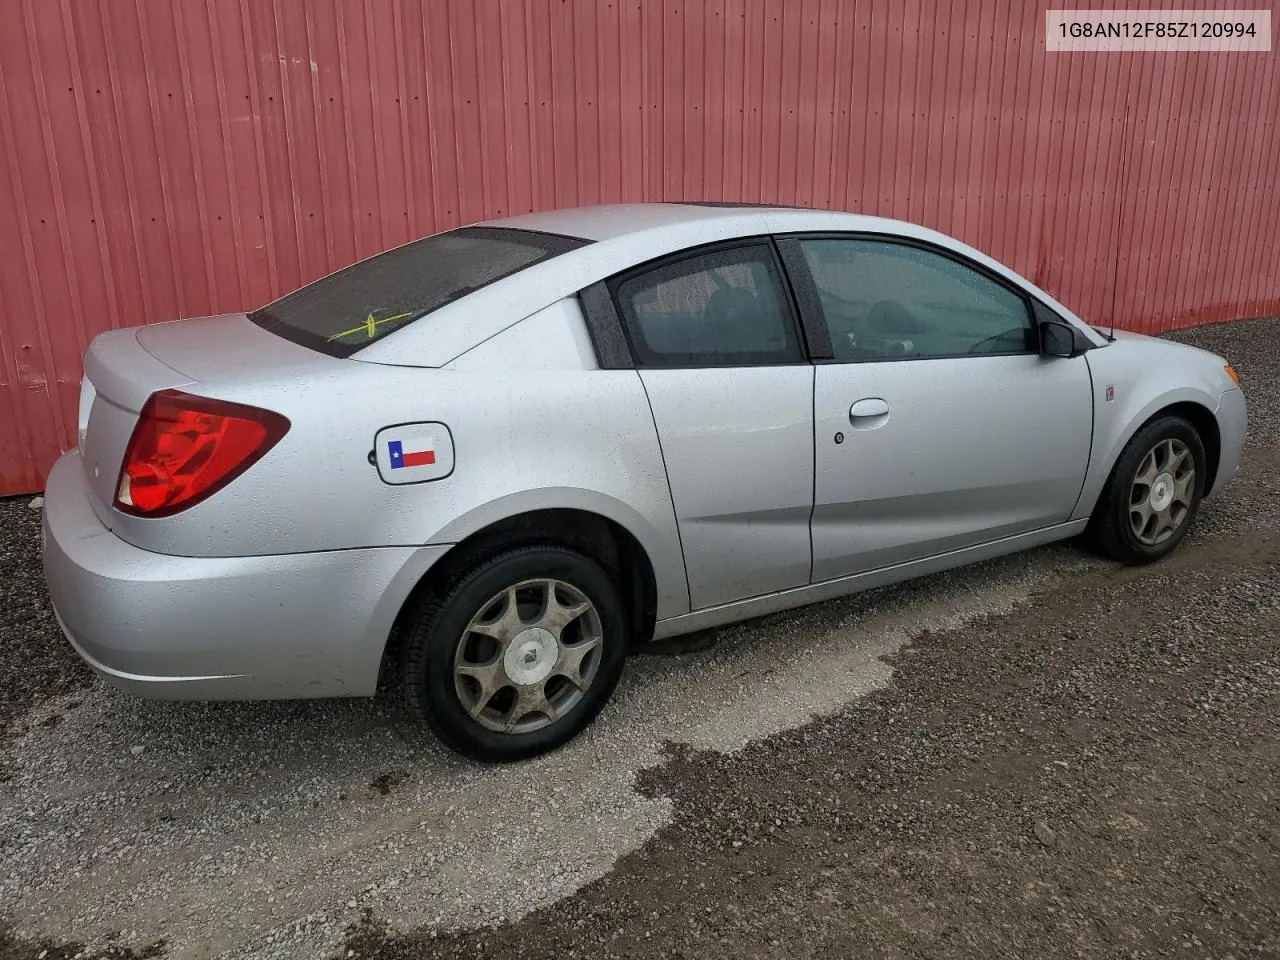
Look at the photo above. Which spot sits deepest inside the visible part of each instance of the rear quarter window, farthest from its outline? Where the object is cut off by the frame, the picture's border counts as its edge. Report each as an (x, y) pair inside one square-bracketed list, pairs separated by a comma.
[(346, 311)]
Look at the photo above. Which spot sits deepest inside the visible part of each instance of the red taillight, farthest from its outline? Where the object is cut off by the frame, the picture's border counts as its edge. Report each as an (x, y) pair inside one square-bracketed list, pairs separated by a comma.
[(186, 448)]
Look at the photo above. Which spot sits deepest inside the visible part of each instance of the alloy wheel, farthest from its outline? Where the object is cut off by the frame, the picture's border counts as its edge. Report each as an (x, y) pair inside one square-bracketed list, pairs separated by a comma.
[(528, 656), (1162, 490)]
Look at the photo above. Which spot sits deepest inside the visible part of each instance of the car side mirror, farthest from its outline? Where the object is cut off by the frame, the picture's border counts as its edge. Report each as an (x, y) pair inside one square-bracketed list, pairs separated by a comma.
[(1058, 339)]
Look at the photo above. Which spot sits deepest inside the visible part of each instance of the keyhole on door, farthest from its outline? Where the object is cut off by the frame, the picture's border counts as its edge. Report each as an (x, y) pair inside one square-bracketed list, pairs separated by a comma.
[(839, 438)]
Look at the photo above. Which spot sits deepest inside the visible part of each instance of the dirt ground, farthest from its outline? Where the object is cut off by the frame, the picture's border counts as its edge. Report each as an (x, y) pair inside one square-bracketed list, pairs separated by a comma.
[(1095, 775), (1090, 771)]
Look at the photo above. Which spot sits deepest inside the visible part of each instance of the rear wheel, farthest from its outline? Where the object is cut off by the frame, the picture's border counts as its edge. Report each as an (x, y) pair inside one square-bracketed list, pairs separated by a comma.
[(1153, 494), (518, 655)]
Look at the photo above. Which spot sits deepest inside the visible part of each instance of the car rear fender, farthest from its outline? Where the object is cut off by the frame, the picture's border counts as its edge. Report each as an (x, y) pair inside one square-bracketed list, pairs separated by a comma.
[(661, 549), (520, 441)]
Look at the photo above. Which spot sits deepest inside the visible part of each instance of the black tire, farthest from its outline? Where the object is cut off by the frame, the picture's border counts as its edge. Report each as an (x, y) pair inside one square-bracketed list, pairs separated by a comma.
[(1110, 528), (436, 629)]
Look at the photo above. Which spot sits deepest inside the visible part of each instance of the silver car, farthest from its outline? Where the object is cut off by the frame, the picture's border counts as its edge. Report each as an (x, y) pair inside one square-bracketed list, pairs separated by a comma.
[(497, 458)]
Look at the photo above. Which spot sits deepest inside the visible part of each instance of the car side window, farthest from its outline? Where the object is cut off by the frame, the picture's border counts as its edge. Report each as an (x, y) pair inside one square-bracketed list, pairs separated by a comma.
[(883, 300), (726, 307)]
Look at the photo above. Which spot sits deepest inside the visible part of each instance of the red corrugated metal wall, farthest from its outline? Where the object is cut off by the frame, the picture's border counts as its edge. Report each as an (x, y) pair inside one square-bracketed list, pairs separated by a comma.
[(165, 158)]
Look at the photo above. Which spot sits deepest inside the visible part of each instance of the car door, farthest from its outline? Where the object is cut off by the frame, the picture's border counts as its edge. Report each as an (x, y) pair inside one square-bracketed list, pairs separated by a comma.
[(937, 423), (717, 346)]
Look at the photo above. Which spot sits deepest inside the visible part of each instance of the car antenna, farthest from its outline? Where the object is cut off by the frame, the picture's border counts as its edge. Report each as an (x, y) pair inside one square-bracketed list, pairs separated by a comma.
[(1115, 264)]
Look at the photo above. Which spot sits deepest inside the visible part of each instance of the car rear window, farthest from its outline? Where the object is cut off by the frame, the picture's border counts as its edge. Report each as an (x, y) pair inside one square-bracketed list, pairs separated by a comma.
[(345, 311)]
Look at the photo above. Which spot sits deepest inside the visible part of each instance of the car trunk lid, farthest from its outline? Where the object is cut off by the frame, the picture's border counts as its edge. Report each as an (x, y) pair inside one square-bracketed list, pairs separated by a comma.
[(231, 344), (205, 356)]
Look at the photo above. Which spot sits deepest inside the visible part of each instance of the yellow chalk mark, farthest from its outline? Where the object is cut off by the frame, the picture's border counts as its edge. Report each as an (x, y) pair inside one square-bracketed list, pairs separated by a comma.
[(370, 326)]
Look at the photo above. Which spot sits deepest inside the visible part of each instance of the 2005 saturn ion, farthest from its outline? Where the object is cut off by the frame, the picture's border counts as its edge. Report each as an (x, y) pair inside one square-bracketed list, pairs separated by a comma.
[(522, 447)]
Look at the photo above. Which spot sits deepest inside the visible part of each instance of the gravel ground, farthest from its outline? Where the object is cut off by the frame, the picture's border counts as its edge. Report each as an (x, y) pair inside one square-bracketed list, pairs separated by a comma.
[(1043, 755), (34, 661)]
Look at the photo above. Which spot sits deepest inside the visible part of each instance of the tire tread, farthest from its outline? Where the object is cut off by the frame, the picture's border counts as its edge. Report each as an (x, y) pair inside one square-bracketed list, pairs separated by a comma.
[(1106, 530)]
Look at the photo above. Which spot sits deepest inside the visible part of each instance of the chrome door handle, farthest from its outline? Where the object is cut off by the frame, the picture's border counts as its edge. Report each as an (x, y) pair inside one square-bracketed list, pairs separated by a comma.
[(868, 408)]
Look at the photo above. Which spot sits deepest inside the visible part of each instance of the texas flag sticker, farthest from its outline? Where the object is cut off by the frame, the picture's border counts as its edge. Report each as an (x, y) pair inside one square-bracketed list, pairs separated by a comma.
[(418, 453), (414, 452)]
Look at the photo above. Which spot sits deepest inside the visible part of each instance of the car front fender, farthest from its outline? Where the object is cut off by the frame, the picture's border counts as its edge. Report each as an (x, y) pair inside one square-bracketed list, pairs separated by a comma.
[(1115, 427)]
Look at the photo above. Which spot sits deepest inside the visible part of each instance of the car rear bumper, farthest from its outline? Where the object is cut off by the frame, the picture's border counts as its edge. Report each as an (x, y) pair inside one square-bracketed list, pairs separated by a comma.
[(219, 628), (1232, 422)]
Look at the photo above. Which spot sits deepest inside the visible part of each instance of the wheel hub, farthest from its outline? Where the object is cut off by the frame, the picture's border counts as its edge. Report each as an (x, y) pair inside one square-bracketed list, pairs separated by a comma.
[(531, 656), (1162, 492)]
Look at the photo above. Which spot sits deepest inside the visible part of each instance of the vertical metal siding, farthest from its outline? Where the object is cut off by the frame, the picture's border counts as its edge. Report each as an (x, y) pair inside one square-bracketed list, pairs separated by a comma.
[(162, 159)]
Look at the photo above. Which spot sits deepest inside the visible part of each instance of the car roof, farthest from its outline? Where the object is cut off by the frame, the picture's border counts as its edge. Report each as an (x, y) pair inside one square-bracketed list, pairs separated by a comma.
[(610, 221)]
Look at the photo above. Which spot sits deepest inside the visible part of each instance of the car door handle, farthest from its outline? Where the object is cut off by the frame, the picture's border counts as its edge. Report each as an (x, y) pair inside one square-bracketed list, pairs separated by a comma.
[(868, 408)]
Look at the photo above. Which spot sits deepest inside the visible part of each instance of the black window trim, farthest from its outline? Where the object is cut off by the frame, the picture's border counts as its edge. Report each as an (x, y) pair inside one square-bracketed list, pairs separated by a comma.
[(810, 306), (604, 326), (563, 242), (554, 243), (599, 321), (736, 204)]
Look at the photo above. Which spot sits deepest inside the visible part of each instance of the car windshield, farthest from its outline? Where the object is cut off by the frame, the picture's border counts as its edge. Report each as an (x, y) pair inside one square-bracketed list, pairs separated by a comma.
[(345, 311)]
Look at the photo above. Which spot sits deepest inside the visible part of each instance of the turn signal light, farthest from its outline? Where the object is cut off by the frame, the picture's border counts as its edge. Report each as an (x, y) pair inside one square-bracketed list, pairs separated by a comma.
[(185, 448), (1231, 372)]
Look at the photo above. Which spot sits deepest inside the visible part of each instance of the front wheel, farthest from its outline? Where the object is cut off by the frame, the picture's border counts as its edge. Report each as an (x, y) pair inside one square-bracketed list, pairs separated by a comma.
[(1153, 494), (519, 655)]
